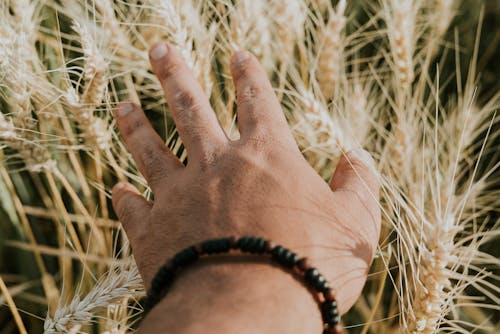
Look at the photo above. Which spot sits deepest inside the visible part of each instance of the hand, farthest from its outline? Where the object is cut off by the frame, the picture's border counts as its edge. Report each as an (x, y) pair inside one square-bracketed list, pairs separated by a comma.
[(257, 185)]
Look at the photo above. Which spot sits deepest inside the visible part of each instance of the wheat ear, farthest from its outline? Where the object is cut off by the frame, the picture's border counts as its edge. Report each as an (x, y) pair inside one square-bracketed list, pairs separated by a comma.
[(119, 284), (95, 130), (330, 68), (400, 19)]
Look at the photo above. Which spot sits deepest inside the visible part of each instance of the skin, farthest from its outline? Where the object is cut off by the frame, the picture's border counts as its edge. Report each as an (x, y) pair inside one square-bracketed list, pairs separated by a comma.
[(257, 185)]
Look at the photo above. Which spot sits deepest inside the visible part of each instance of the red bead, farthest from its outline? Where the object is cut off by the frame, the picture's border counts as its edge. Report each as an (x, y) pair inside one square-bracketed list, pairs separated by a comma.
[(329, 294), (337, 329), (304, 264), (198, 248), (297, 270)]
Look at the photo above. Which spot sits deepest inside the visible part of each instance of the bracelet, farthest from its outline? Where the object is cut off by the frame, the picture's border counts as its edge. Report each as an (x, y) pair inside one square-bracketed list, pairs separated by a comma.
[(255, 245)]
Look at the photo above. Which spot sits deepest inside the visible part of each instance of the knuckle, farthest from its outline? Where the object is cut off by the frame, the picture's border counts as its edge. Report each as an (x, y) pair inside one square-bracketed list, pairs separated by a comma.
[(196, 134), (262, 140), (258, 141), (126, 210), (153, 162), (360, 166), (207, 159), (133, 125), (169, 69), (249, 95), (262, 146), (355, 164), (365, 198), (186, 103), (357, 168)]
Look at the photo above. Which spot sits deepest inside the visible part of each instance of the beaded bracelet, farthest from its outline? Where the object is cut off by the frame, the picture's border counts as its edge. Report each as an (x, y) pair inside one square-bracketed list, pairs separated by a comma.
[(255, 245)]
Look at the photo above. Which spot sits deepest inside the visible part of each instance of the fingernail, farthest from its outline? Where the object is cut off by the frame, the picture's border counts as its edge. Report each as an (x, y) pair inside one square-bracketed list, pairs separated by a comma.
[(119, 186), (363, 156), (240, 57), (124, 109), (159, 51)]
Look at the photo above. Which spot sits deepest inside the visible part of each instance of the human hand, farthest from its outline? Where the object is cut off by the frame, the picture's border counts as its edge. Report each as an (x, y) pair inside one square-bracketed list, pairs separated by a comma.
[(257, 185)]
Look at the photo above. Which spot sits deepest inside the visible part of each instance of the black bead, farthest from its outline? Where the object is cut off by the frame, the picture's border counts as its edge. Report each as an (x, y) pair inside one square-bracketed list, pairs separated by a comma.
[(258, 245), (261, 246), (291, 259), (156, 286), (311, 275), (252, 244), (212, 246), (333, 321), (165, 274), (243, 243), (185, 257), (150, 302), (225, 245), (152, 294), (277, 253), (328, 304), (319, 281), (323, 286), (284, 256), (249, 244), (330, 313)]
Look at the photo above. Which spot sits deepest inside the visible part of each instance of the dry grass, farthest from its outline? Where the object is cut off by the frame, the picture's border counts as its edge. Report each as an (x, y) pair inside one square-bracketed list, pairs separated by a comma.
[(386, 75)]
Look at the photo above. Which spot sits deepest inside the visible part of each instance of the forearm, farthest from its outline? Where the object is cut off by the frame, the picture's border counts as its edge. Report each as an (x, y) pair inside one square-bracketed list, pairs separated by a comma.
[(224, 295)]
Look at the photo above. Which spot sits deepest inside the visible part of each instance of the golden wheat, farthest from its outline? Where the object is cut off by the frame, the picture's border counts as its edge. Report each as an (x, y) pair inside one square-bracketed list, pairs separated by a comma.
[(348, 74)]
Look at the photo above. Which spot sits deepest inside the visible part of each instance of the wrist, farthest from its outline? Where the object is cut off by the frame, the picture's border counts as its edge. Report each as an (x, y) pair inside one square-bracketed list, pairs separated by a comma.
[(235, 293)]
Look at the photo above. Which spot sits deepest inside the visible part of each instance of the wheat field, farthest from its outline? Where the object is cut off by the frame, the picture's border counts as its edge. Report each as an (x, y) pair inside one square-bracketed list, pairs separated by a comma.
[(411, 81)]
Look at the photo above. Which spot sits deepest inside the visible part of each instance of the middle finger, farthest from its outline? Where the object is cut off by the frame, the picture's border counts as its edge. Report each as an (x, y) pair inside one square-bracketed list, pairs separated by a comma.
[(196, 122)]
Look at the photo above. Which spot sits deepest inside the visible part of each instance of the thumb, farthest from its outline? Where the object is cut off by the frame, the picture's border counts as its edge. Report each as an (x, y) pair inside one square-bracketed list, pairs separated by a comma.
[(356, 173), (132, 210)]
